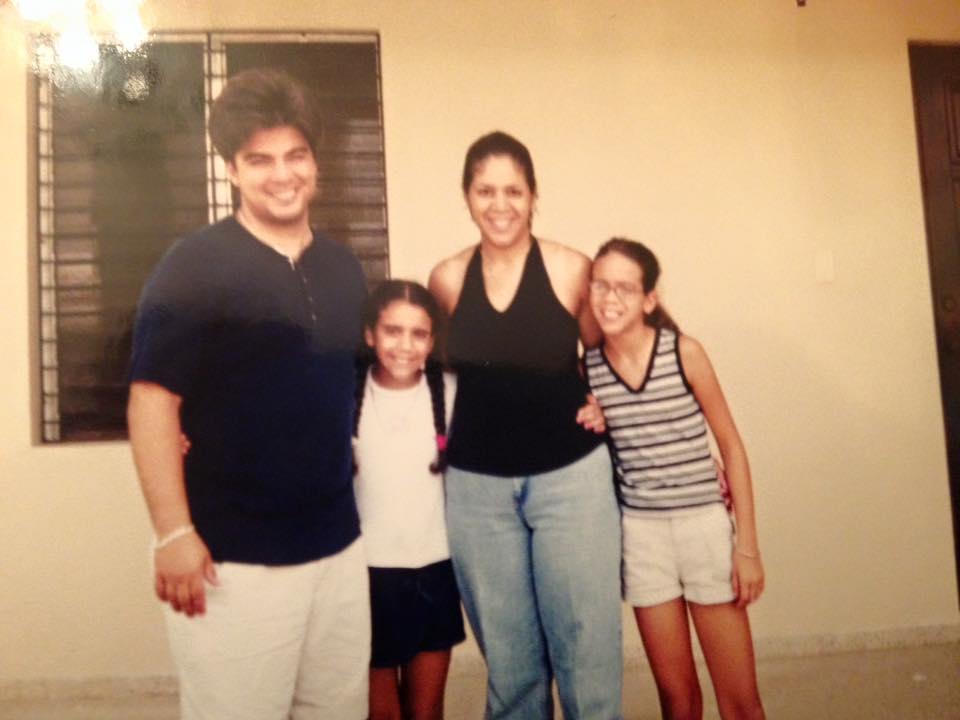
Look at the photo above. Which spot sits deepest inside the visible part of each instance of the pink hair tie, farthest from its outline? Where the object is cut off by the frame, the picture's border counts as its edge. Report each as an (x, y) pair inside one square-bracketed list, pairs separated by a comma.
[(441, 442)]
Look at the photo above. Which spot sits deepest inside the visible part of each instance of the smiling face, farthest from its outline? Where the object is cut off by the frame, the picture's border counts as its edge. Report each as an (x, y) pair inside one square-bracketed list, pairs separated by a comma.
[(276, 175), (500, 201), (617, 298), (402, 340)]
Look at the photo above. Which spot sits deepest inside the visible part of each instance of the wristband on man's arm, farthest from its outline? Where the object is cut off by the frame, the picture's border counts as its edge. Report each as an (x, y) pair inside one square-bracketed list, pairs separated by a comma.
[(175, 534)]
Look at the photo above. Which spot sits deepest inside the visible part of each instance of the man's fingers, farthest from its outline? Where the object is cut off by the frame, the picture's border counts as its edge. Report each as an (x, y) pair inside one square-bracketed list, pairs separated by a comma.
[(210, 572), (182, 568), (197, 596), (184, 598)]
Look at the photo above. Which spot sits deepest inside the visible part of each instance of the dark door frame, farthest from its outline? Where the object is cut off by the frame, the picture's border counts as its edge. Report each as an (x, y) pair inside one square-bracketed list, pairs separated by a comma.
[(935, 73)]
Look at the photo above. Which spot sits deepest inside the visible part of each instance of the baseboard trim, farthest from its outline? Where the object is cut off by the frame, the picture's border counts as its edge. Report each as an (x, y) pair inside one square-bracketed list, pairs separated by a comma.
[(467, 661), (829, 644), (856, 642), (97, 688)]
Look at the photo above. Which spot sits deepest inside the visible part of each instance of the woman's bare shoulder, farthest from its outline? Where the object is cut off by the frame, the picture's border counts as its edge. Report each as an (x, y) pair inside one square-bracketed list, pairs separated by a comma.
[(565, 266), (564, 257), (446, 278)]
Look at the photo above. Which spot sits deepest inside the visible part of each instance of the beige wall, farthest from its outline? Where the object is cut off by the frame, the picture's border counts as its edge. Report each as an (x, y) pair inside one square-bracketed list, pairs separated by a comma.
[(741, 140)]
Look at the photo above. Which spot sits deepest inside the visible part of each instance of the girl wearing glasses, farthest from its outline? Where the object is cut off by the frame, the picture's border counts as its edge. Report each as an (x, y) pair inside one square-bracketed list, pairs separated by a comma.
[(681, 554)]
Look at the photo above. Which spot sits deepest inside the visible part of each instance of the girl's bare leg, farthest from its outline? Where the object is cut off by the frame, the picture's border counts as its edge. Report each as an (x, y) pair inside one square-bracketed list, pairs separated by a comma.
[(384, 694), (724, 634), (665, 632), (423, 681)]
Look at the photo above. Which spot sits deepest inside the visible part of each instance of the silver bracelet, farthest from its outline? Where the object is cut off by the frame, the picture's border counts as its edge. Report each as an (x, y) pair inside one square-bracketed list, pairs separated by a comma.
[(176, 534)]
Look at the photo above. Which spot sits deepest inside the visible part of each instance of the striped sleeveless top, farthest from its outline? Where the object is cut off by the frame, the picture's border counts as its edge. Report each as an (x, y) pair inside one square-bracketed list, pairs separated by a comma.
[(658, 433)]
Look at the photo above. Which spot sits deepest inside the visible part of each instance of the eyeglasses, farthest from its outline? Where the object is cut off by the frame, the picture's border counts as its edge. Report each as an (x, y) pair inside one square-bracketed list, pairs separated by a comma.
[(623, 290)]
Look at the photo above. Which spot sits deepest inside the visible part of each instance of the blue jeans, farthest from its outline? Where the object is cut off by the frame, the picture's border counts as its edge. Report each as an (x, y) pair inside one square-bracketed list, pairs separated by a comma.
[(537, 559)]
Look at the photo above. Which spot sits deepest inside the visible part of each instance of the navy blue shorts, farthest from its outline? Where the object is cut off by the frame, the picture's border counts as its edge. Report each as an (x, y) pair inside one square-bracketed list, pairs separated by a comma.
[(413, 610)]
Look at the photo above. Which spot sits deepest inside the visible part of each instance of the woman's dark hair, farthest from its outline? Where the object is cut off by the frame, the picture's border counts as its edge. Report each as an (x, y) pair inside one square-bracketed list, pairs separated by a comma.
[(260, 99), (416, 294), (498, 143), (649, 274)]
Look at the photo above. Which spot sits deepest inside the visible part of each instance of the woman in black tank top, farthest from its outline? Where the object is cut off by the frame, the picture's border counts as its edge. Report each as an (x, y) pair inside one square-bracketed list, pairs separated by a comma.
[(531, 513)]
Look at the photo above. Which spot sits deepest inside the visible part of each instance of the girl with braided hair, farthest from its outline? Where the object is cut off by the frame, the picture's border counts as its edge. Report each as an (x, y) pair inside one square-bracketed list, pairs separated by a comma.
[(403, 406)]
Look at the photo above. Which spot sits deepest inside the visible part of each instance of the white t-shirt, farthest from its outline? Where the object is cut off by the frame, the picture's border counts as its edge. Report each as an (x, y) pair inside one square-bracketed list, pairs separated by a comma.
[(401, 502)]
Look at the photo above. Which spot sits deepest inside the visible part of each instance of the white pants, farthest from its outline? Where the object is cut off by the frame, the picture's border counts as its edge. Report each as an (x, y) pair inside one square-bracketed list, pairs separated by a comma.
[(278, 642)]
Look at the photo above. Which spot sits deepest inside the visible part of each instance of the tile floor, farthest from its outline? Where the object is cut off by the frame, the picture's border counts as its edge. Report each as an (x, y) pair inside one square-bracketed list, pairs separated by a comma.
[(921, 683)]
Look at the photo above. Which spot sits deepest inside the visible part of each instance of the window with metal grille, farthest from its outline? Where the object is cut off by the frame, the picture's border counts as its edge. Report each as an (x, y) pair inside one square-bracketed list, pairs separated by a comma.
[(124, 167)]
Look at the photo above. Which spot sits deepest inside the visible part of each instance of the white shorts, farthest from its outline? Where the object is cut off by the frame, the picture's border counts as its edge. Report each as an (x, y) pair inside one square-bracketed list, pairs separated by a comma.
[(689, 555), (278, 642)]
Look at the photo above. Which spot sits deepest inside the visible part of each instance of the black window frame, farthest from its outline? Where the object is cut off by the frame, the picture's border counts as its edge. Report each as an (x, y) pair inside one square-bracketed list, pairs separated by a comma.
[(79, 401)]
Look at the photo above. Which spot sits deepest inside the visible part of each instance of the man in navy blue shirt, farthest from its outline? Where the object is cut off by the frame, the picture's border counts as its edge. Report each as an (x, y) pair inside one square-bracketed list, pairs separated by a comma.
[(244, 343)]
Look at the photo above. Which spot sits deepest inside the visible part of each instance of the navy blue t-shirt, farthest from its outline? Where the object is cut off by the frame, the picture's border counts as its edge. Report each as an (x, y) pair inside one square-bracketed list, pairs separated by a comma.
[(261, 351)]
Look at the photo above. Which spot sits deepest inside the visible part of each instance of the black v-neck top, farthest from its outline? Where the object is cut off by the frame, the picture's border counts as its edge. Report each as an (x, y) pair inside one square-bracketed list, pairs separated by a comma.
[(518, 384)]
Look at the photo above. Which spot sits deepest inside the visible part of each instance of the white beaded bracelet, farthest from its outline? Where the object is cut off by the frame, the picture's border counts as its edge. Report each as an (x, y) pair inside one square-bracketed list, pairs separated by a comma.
[(176, 534)]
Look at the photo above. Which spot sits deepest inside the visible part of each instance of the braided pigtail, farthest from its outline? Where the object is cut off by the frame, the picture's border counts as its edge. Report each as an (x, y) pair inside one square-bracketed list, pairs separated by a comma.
[(434, 375), (362, 368)]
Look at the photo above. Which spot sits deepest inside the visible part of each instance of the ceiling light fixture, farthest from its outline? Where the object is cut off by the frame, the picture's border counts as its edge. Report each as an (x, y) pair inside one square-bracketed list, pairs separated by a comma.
[(72, 30)]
